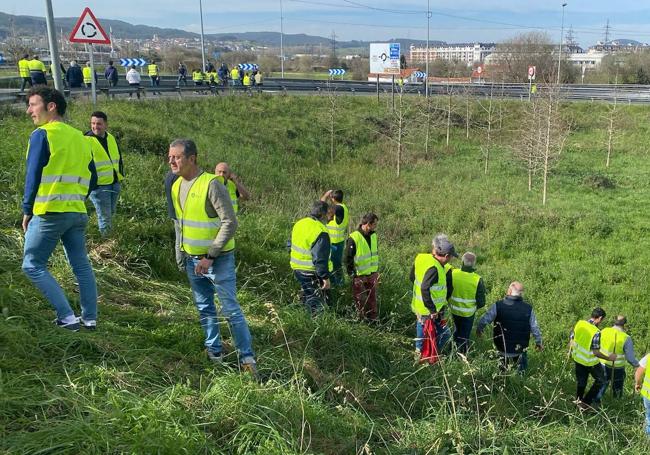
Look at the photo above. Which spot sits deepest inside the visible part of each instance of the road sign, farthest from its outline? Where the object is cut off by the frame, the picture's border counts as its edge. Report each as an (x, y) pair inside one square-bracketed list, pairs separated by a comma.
[(419, 74), (336, 71), (133, 62), (88, 30), (531, 72), (2, 58), (479, 69), (248, 67), (384, 58)]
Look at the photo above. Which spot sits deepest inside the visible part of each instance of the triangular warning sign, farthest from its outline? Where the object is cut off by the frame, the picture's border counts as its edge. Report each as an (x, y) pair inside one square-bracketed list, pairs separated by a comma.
[(88, 30)]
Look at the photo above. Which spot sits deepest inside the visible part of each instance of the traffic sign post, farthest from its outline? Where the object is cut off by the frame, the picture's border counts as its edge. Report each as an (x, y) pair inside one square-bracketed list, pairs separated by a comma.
[(336, 72), (531, 75), (89, 31)]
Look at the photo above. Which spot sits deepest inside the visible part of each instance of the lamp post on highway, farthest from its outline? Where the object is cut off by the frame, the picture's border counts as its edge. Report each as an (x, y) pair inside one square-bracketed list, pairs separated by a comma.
[(426, 77), (54, 50), (281, 40), (202, 39), (559, 57)]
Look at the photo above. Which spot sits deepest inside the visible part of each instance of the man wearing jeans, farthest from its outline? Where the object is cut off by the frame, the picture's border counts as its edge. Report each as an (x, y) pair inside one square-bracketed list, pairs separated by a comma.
[(59, 173), (468, 296), (110, 171), (430, 291), (207, 225), (338, 229)]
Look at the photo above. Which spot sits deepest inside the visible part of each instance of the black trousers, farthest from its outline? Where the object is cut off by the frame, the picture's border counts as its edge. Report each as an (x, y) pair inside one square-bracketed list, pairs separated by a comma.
[(582, 376)]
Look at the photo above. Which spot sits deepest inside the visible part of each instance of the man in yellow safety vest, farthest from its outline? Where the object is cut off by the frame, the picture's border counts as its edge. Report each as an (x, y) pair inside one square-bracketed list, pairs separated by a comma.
[(642, 385), (585, 348), (110, 170), (467, 296), (206, 225), (37, 71), (236, 189), (309, 257), (430, 291), (23, 72), (338, 229), (154, 75), (58, 176), (615, 340), (362, 258)]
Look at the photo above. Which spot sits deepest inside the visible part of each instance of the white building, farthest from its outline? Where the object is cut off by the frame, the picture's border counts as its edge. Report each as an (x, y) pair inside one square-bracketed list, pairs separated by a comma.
[(589, 60), (463, 52)]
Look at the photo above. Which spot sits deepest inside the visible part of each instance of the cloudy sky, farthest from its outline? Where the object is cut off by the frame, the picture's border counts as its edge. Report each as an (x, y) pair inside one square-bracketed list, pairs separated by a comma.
[(451, 21)]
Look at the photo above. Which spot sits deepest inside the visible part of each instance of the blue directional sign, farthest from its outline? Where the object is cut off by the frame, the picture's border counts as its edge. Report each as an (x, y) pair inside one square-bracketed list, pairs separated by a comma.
[(336, 71), (133, 62), (248, 67), (2, 58), (394, 51), (419, 74)]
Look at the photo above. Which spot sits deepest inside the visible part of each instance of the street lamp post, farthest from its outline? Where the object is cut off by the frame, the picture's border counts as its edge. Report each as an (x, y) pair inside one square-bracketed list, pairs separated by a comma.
[(54, 50), (202, 38), (559, 57), (426, 77), (281, 40)]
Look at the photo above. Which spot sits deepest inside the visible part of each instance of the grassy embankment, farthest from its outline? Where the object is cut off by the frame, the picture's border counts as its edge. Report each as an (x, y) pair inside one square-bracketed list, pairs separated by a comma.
[(142, 384)]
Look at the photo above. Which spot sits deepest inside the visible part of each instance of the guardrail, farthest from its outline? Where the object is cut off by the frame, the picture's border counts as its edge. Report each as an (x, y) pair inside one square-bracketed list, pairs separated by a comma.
[(596, 92)]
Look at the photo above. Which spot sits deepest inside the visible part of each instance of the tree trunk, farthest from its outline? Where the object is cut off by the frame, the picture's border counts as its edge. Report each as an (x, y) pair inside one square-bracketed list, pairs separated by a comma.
[(547, 150), (448, 118)]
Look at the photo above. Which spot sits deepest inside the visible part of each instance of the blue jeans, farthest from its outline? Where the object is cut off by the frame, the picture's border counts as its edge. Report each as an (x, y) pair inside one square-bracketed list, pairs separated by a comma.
[(313, 297), (220, 279), (104, 198), (462, 332), (42, 236), (646, 403), (521, 360), (443, 334), (617, 381), (336, 255)]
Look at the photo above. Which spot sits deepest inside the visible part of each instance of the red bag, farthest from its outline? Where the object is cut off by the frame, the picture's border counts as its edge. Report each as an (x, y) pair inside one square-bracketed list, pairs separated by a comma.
[(429, 351)]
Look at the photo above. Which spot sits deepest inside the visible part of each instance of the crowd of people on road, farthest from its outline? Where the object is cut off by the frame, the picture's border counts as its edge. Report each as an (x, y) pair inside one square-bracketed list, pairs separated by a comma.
[(65, 166), (33, 72)]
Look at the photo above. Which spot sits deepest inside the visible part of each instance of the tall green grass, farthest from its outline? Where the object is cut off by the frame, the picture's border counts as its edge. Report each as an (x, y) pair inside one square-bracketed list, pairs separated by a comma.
[(141, 383)]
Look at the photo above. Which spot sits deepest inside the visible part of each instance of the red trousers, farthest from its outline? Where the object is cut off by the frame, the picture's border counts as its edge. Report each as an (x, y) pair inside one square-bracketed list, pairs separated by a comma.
[(364, 292)]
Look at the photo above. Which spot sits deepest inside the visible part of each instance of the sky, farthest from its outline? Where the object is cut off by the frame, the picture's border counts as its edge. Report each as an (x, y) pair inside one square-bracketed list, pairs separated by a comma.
[(373, 20)]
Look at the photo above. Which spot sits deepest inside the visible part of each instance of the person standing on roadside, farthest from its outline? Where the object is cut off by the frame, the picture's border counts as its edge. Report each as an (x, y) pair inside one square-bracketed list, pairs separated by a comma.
[(133, 78), (642, 386), (616, 340), (585, 350), (207, 225), (59, 174), (235, 187), (362, 259), (23, 72), (468, 296), (74, 76), (309, 257), (514, 321), (37, 71), (154, 75), (110, 171), (110, 73), (337, 228), (430, 290), (182, 75)]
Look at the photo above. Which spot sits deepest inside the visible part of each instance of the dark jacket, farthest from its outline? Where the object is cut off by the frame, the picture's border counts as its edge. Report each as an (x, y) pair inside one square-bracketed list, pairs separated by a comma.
[(512, 325), (74, 76), (111, 73)]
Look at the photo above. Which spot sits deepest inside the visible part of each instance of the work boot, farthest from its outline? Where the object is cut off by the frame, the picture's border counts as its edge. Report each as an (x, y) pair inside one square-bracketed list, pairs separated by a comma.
[(71, 326), (251, 368), (215, 358)]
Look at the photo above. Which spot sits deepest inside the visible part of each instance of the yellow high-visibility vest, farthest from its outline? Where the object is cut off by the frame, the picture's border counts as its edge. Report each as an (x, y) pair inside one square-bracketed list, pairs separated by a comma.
[(152, 69), (438, 291), (645, 389), (366, 257), (583, 333), (197, 76), (198, 230), (337, 231), (612, 341), (462, 301), (234, 74), (66, 178), (107, 164), (232, 191), (23, 67), (88, 75), (247, 80), (303, 235), (36, 65)]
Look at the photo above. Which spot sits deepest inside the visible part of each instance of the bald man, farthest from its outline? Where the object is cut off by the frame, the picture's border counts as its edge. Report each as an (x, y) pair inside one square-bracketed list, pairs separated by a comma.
[(514, 321), (235, 187)]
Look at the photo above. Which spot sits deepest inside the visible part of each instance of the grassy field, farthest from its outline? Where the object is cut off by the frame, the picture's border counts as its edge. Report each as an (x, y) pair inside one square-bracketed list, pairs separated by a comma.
[(142, 384)]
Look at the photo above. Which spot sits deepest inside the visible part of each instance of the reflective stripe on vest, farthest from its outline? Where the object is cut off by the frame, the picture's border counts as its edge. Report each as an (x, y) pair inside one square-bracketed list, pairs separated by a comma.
[(107, 164), (366, 257), (463, 295), (337, 231), (645, 389), (583, 333), (612, 341), (197, 76), (198, 230), (438, 292), (36, 65), (66, 178), (23, 68), (303, 235), (152, 69)]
